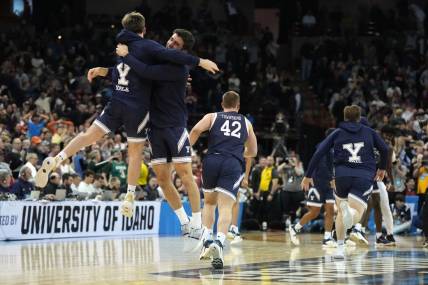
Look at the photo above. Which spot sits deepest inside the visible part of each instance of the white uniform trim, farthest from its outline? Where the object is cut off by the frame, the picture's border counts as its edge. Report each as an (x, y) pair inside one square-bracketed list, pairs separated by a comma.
[(213, 120), (330, 201), (182, 140), (102, 126), (136, 140), (368, 191), (158, 161), (238, 182), (358, 199), (314, 204), (224, 191), (208, 190), (143, 123), (182, 159)]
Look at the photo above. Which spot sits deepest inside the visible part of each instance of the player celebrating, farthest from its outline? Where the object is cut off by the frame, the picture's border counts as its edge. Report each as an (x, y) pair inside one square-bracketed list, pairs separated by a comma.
[(320, 194), (129, 104), (168, 134), (230, 133), (355, 169)]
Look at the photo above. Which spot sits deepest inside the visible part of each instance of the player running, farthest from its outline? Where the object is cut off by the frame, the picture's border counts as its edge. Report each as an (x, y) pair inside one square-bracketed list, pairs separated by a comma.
[(355, 169), (231, 138), (319, 195)]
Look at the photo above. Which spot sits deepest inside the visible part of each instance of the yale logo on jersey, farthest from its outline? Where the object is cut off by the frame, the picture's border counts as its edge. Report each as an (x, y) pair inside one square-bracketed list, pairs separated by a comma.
[(122, 82), (353, 149)]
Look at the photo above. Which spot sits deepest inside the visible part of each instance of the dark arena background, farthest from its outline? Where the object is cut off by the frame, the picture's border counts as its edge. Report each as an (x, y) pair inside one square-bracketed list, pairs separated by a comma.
[(297, 66)]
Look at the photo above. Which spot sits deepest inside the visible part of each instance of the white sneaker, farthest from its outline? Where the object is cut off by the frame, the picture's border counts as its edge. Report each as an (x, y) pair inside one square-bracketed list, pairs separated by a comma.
[(42, 176), (350, 243), (346, 215), (216, 254), (293, 235), (329, 243), (237, 239), (358, 237), (185, 229), (127, 207), (195, 232), (339, 254), (205, 250)]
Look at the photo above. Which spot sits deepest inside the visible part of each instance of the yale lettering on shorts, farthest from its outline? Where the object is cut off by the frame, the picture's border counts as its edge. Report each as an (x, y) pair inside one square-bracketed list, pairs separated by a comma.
[(187, 149), (122, 82), (354, 149)]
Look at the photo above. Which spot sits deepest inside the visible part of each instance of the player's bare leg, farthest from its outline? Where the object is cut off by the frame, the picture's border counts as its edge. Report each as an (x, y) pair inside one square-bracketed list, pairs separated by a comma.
[(91, 135), (233, 233), (208, 218), (328, 224), (163, 174), (184, 171), (135, 150)]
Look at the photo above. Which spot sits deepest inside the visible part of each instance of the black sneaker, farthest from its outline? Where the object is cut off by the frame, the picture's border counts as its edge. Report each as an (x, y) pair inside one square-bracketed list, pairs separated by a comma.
[(391, 239), (382, 241)]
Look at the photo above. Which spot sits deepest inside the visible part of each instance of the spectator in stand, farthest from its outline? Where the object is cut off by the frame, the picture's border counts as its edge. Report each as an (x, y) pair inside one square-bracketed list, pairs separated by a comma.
[(36, 123), (67, 182), (151, 190), (50, 190), (99, 183), (23, 185), (66, 167), (114, 185), (144, 173), (32, 160), (14, 157), (76, 182), (402, 216), (5, 180), (399, 173), (410, 189), (180, 188), (420, 174), (117, 167), (87, 186)]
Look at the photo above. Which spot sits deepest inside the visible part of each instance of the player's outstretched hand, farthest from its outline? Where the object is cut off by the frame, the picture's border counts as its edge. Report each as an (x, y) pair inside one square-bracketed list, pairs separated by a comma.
[(380, 174), (122, 50), (92, 73), (208, 65), (307, 183)]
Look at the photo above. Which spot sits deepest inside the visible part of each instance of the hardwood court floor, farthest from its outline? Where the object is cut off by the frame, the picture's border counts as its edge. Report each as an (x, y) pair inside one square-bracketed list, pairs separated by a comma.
[(262, 258)]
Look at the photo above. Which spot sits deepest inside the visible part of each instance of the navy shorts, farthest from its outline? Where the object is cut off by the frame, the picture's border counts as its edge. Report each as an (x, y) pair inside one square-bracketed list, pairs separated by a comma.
[(319, 195), (222, 173), (170, 145), (358, 188), (117, 114)]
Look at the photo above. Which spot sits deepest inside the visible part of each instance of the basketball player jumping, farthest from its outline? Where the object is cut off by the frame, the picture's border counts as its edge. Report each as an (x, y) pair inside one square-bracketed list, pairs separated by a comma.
[(129, 105), (231, 138), (355, 168)]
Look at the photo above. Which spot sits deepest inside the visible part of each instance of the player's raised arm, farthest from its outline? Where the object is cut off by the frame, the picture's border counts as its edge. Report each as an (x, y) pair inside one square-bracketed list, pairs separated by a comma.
[(203, 125)]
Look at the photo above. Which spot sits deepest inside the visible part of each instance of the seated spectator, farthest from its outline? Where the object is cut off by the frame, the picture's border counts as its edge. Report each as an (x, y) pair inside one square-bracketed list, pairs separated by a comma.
[(410, 189), (76, 182), (5, 180), (151, 189), (87, 186), (50, 190), (401, 214), (178, 183), (66, 167), (32, 160), (23, 186), (99, 183), (114, 185), (67, 182)]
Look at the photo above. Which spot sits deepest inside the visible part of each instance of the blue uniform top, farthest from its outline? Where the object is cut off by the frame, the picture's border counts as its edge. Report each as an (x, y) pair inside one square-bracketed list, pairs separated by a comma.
[(324, 171), (228, 134), (353, 145), (167, 107), (129, 88)]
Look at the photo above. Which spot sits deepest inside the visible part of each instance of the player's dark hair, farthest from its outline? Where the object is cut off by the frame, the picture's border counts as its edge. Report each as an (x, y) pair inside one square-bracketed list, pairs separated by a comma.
[(352, 113), (230, 99), (187, 37), (134, 22)]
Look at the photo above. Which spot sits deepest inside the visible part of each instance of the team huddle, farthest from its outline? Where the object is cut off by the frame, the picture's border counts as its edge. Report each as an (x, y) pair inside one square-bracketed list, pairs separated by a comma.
[(149, 87)]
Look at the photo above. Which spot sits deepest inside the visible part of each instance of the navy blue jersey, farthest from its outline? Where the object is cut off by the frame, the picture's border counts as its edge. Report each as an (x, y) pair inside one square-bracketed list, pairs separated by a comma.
[(167, 108), (324, 171), (128, 87), (228, 134), (353, 145)]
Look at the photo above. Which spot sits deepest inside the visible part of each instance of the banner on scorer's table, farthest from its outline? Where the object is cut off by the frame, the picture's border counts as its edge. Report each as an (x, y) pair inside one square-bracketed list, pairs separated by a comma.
[(35, 220)]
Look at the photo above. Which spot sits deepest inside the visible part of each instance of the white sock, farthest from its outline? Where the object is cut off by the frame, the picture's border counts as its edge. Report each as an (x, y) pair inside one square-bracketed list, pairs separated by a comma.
[(358, 226), (207, 234), (182, 216), (61, 156), (340, 242), (298, 227), (378, 235), (131, 188), (234, 228), (327, 235), (196, 220), (221, 237)]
